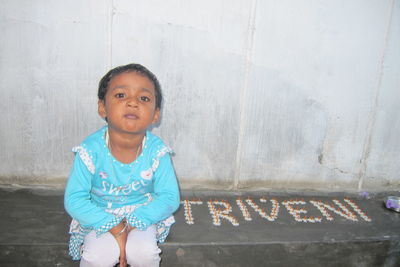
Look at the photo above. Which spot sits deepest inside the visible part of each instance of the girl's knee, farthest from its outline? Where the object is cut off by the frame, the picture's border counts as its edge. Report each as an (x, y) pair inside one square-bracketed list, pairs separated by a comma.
[(143, 255), (96, 260), (142, 250), (144, 261), (102, 251)]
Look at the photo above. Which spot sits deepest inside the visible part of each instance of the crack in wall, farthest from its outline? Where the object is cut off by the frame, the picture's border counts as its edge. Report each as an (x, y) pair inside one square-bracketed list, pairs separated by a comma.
[(374, 108), (243, 96), (110, 34)]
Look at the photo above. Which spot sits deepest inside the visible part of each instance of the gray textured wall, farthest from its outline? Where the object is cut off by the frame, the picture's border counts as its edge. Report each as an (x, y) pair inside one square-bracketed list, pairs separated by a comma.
[(281, 94)]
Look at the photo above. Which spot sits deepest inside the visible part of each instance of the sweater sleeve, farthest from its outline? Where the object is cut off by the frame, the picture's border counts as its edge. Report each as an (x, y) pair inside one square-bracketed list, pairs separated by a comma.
[(77, 198), (166, 197)]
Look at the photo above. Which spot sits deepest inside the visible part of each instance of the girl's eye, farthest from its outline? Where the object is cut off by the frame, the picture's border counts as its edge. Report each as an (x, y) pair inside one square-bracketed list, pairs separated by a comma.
[(145, 98), (120, 95)]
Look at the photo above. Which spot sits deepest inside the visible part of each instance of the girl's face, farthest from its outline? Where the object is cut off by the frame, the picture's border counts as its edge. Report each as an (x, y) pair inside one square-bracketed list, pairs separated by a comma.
[(129, 104)]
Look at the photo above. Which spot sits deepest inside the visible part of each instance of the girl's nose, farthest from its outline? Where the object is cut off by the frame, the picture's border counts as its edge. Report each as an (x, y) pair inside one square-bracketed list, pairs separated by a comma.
[(132, 102)]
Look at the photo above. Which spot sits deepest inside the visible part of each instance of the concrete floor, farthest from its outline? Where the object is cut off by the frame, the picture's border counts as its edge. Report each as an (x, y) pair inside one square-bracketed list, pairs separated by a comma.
[(34, 229)]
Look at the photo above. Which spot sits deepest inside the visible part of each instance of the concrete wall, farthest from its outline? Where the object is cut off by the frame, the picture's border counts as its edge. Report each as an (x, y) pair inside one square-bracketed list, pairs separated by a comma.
[(261, 93)]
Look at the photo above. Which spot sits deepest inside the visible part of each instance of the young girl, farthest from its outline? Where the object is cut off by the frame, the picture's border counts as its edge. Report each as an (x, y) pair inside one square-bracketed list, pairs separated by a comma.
[(122, 189)]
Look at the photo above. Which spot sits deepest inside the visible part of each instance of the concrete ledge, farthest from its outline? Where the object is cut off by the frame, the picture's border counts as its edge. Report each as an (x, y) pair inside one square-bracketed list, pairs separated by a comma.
[(212, 230), (366, 253)]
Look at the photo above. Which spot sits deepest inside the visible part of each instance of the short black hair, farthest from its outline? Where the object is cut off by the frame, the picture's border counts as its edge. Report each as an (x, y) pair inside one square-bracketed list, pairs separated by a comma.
[(103, 84)]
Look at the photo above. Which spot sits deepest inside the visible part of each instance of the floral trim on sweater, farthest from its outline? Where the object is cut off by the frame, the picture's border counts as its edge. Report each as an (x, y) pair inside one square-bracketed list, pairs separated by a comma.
[(84, 155)]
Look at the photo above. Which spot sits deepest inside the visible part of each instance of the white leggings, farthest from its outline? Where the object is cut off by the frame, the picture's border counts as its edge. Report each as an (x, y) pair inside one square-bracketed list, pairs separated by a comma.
[(141, 249)]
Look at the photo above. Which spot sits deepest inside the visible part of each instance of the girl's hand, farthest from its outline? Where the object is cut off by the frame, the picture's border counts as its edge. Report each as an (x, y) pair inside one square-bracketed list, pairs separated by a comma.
[(122, 260), (120, 233)]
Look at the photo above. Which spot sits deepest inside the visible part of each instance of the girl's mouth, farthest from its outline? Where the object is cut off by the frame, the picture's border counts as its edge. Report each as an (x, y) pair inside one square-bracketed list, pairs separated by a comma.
[(131, 116)]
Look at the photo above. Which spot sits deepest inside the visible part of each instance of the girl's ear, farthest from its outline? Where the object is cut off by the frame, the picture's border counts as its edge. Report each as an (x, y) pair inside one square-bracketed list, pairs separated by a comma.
[(156, 116), (101, 108)]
